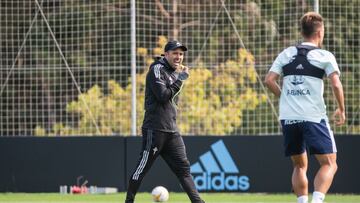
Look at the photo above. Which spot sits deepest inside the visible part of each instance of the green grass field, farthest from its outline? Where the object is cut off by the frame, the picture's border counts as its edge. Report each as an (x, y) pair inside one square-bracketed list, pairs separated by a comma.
[(174, 198)]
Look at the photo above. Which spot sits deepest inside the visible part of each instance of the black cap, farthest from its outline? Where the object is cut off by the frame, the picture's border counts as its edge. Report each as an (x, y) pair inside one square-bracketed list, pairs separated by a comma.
[(174, 45)]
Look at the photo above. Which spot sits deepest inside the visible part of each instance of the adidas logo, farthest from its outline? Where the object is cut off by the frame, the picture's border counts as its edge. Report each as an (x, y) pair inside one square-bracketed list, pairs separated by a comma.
[(299, 67), (217, 171)]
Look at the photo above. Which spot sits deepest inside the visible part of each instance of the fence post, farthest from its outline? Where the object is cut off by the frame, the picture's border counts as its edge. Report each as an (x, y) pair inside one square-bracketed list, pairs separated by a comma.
[(316, 6), (133, 68)]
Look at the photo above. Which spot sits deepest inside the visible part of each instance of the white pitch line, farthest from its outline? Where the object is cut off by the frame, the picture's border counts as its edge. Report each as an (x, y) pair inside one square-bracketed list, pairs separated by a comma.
[(117, 202)]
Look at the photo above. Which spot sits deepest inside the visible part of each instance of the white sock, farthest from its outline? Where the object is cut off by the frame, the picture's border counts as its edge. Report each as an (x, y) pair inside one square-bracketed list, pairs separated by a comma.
[(318, 197), (302, 199)]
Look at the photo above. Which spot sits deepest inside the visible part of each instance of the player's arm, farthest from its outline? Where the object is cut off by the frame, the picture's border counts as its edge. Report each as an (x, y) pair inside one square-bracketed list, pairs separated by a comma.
[(274, 74), (339, 96), (271, 82), (333, 72), (161, 90)]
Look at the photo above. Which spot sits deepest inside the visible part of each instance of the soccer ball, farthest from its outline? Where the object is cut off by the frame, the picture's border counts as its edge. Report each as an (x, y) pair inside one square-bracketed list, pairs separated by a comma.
[(160, 194)]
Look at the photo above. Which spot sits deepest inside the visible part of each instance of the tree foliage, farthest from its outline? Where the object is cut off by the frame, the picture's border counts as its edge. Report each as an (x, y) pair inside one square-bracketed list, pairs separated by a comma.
[(209, 96), (94, 37)]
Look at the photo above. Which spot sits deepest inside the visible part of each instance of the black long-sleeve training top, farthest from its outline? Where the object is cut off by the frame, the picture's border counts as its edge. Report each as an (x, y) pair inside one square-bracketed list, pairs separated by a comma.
[(161, 91)]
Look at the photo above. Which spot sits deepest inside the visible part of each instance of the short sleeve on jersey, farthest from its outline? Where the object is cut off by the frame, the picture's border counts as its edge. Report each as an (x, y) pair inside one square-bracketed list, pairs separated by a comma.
[(332, 65), (282, 59)]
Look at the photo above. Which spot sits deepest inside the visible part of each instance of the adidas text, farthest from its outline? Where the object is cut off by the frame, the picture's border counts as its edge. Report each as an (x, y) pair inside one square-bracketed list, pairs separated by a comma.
[(222, 181)]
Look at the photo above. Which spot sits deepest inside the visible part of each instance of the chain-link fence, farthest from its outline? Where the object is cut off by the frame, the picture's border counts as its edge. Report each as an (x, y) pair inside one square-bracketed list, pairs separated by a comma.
[(65, 66)]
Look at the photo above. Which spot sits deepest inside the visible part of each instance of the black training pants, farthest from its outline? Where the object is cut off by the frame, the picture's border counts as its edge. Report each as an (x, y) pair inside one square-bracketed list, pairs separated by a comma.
[(172, 149)]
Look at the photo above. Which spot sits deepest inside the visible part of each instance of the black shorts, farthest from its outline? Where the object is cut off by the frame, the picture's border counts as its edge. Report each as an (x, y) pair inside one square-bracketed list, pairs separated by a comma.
[(300, 135)]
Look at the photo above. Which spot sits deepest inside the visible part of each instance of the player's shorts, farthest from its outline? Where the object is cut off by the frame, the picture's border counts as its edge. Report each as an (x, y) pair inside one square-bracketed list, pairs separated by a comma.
[(300, 135)]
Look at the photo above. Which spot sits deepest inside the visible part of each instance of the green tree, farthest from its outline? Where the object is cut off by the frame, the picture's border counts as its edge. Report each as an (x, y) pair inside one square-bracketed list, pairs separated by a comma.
[(212, 101)]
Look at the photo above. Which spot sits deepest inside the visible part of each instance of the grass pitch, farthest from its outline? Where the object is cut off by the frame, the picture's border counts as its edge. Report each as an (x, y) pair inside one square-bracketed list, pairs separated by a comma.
[(174, 198)]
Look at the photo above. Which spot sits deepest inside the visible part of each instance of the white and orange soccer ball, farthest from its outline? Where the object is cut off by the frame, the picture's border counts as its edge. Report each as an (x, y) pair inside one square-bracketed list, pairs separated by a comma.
[(160, 194)]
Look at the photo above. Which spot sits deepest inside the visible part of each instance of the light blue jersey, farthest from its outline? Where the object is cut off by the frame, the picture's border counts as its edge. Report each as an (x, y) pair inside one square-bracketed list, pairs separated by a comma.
[(303, 87)]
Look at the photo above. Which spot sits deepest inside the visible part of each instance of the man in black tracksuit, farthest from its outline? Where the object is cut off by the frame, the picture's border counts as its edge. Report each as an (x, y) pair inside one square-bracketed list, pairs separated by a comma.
[(160, 133)]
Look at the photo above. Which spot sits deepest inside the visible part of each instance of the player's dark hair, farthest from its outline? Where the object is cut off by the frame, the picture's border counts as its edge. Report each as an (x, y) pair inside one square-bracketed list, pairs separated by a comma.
[(310, 23)]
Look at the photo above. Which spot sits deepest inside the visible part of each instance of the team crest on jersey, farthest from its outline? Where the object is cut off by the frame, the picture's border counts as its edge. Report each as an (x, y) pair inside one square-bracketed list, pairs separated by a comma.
[(297, 80)]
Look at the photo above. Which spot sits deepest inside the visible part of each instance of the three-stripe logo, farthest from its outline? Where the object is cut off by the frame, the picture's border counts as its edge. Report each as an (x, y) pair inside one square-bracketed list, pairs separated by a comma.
[(217, 171)]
